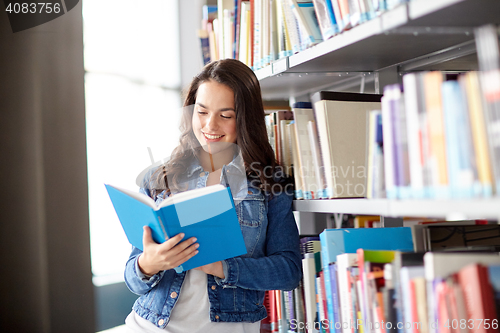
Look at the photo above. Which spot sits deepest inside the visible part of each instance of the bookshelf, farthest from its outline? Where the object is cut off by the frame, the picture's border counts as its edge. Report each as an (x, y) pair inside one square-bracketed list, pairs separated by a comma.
[(426, 29), (436, 34), (466, 209)]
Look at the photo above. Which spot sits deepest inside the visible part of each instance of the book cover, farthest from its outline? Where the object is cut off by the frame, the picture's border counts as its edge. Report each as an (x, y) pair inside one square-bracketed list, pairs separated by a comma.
[(338, 241), (342, 120), (214, 223), (326, 19), (478, 296)]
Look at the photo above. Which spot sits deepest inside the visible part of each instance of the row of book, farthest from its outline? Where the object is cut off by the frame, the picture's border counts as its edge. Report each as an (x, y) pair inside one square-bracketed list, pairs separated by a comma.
[(354, 282), (258, 32), (439, 138), (323, 144), (429, 138)]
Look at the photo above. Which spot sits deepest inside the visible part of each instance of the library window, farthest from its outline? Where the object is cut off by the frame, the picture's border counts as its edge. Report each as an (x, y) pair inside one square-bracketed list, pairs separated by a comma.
[(132, 101)]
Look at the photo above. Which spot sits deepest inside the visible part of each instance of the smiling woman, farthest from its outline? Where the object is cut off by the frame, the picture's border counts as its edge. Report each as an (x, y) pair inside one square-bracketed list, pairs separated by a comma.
[(223, 107)]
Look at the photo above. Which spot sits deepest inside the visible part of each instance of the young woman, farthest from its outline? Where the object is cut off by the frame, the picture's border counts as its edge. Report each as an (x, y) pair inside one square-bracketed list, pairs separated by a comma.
[(223, 109)]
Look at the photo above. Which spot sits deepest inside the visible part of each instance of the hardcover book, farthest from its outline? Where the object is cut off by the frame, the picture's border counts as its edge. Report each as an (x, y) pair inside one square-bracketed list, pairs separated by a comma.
[(207, 213)]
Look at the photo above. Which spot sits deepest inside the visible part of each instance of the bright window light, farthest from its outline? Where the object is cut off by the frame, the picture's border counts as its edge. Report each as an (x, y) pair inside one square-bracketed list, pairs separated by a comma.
[(132, 96)]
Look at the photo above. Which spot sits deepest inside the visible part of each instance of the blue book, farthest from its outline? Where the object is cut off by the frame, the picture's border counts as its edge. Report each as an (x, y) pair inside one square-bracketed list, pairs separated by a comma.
[(334, 299), (459, 146), (206, 213), (494, 276), (339, 241)]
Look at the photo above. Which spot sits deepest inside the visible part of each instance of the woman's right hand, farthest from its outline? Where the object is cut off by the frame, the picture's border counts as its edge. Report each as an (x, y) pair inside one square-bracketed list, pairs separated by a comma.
[(161, 257)]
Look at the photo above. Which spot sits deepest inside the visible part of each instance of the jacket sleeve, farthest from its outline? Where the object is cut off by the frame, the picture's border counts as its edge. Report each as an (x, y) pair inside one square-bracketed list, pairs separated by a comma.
[(281, 267)]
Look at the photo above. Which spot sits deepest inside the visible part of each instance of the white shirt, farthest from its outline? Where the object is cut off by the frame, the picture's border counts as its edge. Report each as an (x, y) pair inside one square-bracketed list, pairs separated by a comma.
[(191, 313)]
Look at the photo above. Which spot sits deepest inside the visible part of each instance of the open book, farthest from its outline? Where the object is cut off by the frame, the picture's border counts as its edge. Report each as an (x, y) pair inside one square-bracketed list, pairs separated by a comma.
[(206, 213)]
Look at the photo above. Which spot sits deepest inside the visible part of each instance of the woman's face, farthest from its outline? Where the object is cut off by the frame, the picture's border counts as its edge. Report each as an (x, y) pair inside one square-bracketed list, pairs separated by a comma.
[(214, 116)]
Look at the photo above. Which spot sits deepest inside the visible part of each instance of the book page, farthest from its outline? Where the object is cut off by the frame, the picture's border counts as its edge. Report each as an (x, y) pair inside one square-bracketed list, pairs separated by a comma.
[(138, 196), (183, 196)]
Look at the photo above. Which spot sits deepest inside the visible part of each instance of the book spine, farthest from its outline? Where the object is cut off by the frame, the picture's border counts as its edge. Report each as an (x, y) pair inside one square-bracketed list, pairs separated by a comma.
[(433, 82), (480, 140), (390, 184), (414, 135), (488, 51), (326, 24)]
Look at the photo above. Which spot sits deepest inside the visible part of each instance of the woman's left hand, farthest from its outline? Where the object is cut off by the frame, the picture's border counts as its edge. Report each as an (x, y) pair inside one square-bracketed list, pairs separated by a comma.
[(214, 269)]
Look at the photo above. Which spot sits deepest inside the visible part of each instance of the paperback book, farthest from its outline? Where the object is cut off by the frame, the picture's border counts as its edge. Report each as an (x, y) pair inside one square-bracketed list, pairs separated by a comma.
[(207, 213)]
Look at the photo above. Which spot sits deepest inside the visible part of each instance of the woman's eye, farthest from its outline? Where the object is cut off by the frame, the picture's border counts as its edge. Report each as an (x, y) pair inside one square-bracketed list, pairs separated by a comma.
[(226, 117), (201, 112)]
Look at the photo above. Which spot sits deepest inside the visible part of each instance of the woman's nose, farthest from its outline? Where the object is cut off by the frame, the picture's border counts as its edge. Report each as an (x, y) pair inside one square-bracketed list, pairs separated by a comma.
[(211, 123)]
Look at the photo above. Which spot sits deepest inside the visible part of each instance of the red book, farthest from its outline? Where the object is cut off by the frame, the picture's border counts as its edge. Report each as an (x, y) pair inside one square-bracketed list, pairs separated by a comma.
[(323, 295), (414, 308), (478, 296)]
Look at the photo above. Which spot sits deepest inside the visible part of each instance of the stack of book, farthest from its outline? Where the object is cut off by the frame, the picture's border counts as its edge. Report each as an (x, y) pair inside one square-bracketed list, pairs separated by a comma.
[(355, 283), (438, 139), (258, 32)]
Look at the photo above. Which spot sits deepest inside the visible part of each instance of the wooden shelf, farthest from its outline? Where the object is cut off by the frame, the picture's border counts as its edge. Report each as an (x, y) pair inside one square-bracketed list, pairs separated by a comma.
[(454, 209), (407, 32)]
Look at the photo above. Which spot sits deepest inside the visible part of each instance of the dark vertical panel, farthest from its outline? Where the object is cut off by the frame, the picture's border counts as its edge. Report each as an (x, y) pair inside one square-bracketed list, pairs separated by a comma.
[(46, 281)]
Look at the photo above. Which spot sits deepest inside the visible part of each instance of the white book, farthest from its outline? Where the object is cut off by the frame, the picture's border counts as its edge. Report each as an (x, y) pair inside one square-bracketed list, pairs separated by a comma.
[(228, 34), (344, 262), (307, 174), (412, 109), (342, 129), (244, 23), (265, 31), (317, 159), (221, 6), (309, 278)]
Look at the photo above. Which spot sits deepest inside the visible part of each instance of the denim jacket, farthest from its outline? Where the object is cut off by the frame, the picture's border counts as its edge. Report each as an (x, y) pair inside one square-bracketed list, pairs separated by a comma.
[(272, 262)]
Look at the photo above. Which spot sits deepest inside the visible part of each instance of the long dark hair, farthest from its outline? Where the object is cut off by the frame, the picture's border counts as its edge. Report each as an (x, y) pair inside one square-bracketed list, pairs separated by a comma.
[(251, 129)]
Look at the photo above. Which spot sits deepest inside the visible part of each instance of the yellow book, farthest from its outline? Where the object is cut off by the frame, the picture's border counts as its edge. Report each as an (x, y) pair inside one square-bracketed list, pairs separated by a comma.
[(434, 106), (360, 221), (479, 135)]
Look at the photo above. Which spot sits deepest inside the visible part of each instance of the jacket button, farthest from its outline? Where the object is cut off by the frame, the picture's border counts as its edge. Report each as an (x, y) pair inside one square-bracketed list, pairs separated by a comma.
[(217, 317), (202, 174), (213, 287), (160, 322), (173, 294), (249, 192)]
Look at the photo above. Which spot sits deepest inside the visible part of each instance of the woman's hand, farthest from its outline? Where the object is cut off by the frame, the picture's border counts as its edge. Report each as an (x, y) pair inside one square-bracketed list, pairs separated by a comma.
[(161, 257), (214, 269)]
